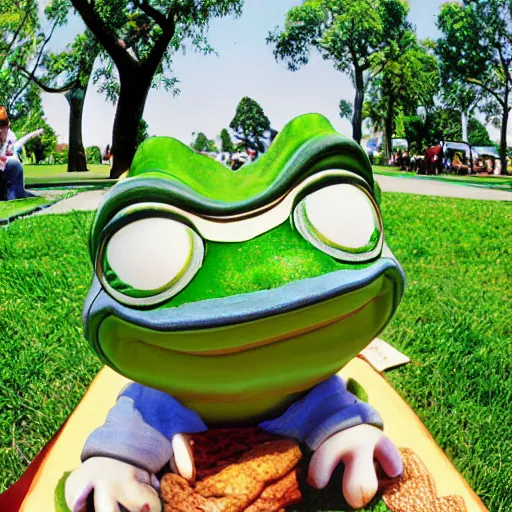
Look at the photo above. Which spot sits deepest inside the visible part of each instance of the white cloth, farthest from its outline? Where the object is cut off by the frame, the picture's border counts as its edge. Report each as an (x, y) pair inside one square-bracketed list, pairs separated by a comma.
[(7, 149), (9, 143)]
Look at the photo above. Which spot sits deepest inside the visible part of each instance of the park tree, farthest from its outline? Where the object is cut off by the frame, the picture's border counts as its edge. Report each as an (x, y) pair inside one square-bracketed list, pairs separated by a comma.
[(443, 123), (141, 38), (346, 109), (93, 155), (21, 43), (200, 143), (251, 127), (476, 48), (18, 24), (407, 82), (69, 73), (142, 133), (226, 144), (203, 144), (358, 36), (460, 96)]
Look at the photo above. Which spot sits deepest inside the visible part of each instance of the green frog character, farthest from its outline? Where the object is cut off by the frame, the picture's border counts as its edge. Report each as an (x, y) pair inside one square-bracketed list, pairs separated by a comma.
[(233, 299)]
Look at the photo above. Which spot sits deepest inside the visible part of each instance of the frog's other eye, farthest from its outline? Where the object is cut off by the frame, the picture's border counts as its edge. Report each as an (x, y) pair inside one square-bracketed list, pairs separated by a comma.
[(149, 260), (341, 220)]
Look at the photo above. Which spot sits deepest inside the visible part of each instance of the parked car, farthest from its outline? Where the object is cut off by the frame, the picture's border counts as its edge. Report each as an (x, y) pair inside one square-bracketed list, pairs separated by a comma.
[(457, 158), (486, 159)]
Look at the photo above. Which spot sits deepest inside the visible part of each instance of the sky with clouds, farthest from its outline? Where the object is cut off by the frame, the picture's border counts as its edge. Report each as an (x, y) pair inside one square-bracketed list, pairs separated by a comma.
[(211, 86)]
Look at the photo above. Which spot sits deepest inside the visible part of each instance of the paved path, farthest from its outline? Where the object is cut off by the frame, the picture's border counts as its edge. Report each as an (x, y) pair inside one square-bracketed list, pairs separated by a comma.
[(83, 201), (90, 200), (430, 187)]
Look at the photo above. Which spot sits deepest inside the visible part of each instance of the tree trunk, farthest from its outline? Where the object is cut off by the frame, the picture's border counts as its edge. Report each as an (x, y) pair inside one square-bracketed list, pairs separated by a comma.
[(464, 121), (504, 129), (388, 131), (130, 108), (76, 151), (357, 119)]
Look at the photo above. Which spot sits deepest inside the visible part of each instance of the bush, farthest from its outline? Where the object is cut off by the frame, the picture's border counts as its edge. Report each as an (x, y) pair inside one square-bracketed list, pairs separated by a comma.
[(93, 155), (59, 157)]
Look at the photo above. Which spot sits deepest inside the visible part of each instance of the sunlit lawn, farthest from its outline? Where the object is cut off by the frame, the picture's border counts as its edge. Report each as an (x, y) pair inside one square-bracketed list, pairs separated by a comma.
[(454, 323), (10, 209), (499, 182), (57, 174)]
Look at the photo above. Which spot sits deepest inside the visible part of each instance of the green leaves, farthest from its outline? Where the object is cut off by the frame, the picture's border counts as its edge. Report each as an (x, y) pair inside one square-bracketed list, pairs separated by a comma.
[(358, 36), (346, 109), (226, 142), (203, 144), (250, 124)]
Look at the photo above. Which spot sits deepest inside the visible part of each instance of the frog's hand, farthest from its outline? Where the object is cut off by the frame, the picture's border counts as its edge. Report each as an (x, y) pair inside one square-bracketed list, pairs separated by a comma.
[(329, 413), (182, 460), (356, 448), (143, 429), (114, 482)]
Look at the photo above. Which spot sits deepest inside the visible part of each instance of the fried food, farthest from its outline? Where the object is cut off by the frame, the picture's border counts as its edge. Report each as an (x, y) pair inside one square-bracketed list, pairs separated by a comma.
[(262, 478)]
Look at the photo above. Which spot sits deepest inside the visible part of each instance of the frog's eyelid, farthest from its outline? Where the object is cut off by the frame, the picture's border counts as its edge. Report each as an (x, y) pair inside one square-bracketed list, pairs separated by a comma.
[(365, 246), (243, 227), (112, 265)]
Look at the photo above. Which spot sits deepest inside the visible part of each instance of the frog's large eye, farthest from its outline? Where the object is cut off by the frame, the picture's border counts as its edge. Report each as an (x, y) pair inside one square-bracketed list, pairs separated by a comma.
[(341, 220), (149, 260)]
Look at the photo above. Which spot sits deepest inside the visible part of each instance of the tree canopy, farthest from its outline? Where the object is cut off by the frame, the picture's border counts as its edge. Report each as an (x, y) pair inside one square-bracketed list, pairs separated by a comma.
[(358, 36), (141, 38), (250, 125), (227, 145), (476, 48), (407, 82), (202, 144)]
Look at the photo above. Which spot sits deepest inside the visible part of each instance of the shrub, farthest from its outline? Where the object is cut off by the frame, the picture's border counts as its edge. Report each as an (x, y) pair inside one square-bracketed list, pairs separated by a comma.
[(93, 155)]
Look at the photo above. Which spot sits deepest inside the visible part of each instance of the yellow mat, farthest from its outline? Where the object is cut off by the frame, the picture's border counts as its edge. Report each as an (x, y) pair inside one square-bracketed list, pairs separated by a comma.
[(401, 425)]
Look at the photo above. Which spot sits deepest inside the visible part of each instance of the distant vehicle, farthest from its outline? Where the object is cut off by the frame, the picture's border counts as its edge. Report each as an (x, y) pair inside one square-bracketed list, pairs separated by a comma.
[(400, 144), (374, 146), (486, 159), (457, 158)]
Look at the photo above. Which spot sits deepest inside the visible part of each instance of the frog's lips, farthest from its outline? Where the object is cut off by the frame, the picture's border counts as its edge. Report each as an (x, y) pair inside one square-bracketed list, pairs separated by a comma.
[(208, 315)]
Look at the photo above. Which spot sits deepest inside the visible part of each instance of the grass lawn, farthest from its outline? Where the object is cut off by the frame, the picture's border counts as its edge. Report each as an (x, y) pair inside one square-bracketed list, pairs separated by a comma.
[(454, 323), (499, 182), (51, 175), (10, 209)]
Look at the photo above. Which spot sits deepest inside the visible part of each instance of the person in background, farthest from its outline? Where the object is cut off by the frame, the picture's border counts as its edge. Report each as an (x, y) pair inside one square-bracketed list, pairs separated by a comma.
[(12, 184)]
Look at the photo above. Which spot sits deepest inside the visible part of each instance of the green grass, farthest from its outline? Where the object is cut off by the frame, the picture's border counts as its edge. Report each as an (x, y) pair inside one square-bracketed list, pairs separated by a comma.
[(10, 209), (498, 182), (52, 175), (454, 323)]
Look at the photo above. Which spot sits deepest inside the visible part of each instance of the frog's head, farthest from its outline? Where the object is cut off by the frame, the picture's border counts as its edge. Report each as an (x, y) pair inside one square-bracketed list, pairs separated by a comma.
[(235, 291)]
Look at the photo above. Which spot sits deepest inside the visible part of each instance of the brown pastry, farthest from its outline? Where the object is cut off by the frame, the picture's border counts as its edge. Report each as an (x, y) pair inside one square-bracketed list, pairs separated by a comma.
[(262, 478), (416, 490)]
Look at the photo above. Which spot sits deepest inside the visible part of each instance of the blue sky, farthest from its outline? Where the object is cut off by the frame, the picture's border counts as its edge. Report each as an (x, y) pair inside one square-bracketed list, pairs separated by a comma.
[(211, 86)]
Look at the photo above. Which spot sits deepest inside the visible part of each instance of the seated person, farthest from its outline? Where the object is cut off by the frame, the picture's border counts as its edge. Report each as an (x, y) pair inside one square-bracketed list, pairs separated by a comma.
[(458, 164), (12, 184)]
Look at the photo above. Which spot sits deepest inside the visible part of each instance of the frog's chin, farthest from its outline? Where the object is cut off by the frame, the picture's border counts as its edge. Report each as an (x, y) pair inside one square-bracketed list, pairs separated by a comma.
[(252, 351)]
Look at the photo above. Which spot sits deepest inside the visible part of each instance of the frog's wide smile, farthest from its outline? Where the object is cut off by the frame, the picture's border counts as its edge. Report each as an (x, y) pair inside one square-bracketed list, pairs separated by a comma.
[(183, 328)]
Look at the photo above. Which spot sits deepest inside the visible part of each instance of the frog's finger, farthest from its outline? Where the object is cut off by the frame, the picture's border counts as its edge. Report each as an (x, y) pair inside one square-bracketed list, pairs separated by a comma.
[(76, 491), (323, 463), (139, 497), (389, 457), (104, 500), (360, 482), (182, 461)]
